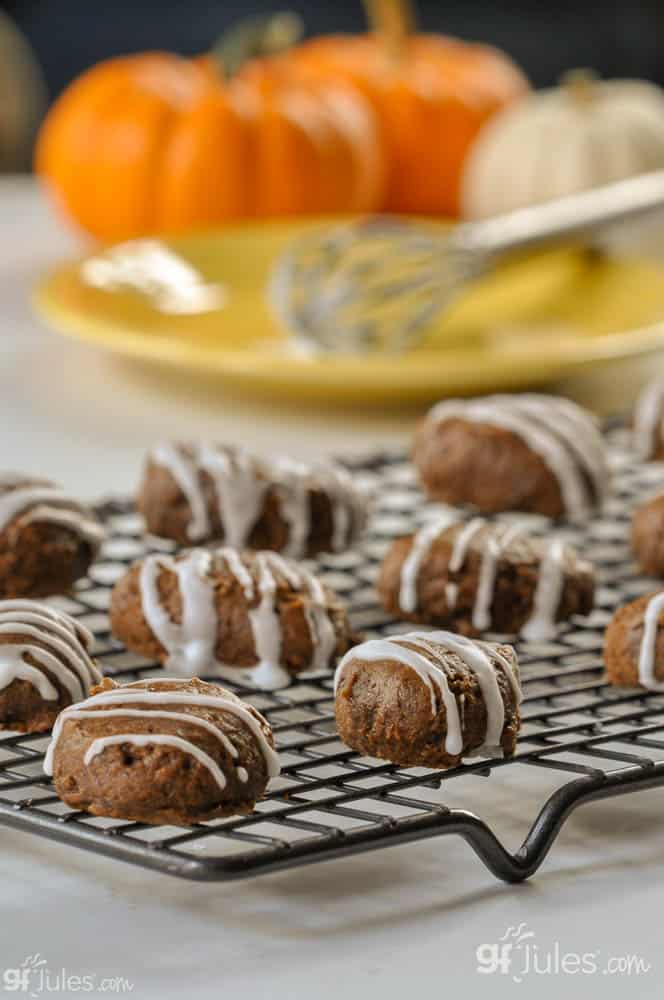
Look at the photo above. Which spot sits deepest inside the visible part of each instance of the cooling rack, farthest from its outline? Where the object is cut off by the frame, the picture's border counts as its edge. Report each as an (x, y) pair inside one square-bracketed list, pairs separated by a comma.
[(594, 740)]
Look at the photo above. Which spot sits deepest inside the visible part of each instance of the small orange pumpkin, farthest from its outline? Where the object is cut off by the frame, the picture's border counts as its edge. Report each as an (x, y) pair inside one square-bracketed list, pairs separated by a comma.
[(157, 143), (432, 94)]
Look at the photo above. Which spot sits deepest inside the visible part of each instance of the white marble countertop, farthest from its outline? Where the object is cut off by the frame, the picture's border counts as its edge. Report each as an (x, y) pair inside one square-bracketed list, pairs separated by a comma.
[(377, 925)]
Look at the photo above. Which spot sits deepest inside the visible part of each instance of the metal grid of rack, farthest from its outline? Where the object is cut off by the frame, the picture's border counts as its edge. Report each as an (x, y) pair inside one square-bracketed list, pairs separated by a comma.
[(595, 740)]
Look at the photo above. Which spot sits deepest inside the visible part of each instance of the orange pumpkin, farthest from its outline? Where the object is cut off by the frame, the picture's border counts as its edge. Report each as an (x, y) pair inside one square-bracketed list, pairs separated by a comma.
[(432, 94), (156, 143)]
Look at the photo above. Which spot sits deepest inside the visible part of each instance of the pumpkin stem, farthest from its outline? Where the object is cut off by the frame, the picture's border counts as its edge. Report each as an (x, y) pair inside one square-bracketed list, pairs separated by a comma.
[(579, 84), (256, 37), (393, 21)]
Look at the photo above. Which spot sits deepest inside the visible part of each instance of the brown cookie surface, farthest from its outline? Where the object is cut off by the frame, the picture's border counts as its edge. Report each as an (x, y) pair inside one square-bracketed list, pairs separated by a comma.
[(417, 700), (196, 493), (206, 609), (160, 751), (481, 576), (648, 536), (47, 539), (533, 453), (45, 665), (633, 656)]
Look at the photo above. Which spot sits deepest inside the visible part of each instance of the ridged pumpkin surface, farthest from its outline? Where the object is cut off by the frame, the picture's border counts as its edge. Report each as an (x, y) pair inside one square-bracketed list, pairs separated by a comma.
[(432, 98), (157, 143)]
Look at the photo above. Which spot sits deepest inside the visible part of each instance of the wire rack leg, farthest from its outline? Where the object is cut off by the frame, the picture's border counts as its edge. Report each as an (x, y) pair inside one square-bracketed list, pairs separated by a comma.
[(520, 866)]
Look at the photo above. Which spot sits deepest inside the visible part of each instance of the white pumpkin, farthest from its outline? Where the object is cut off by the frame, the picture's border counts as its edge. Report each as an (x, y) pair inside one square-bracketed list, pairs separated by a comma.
[(584, 133)]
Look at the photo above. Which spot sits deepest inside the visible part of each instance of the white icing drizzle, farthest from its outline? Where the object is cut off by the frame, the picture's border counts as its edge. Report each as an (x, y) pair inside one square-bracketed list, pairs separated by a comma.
[(476, 656), (498, 539), (648, 649), (323, 635), (292, 488), (47, 659), (266, 623), (458, 557), (157, 739), (14, 668), (510, 667), (239, 571), (477, 659), (495, 540), (136, 694), (348, 505), (188, 717), (578, 430), (453, 710), (462, 543), (65, 655), (182, 468), (321, 628), (266, 627), (433, 675), (648, 417), (241, 483), (419, 550), (240, 491), (562, 434), (191, 645), (542, 623), (91, 531), (55, 616), (40, 503)]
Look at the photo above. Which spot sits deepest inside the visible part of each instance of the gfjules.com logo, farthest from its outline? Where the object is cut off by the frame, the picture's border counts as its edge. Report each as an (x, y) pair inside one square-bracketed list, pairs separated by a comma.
[(34, 977), (519, 956)]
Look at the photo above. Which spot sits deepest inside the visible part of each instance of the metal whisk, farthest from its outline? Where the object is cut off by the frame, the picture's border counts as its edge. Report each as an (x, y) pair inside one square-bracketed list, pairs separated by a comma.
[(376, 285)]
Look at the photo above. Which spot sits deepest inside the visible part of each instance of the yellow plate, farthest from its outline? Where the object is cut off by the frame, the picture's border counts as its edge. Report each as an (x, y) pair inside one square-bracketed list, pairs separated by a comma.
[(531, 321)]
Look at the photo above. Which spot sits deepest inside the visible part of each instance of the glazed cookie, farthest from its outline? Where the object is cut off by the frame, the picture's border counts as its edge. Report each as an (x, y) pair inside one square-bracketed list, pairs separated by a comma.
[(648, 422), (47, 539), (480, 576), (200, 493), (206, 612), (45, 665), (634, 643), (539, 454), (428, 699), (161, 751), (648, 536)]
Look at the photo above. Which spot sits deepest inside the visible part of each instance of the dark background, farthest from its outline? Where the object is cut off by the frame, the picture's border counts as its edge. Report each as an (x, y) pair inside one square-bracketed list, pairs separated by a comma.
[(616, 39)]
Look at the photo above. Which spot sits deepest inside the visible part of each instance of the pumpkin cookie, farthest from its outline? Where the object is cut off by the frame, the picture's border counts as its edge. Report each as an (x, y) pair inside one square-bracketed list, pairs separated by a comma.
[(206, 612), (161, 751), (534, 453), (648, 422), (634, 644), (648, 536), (481, 576), (47, 539), (200, 493), (45, 665), (428, 699)]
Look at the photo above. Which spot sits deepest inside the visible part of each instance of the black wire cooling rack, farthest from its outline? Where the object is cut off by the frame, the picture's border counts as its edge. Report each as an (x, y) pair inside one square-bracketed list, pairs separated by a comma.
[(595, 740)]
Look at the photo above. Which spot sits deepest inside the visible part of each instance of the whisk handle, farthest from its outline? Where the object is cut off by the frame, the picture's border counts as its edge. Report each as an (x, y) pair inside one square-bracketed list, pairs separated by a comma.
[(572, 215)]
